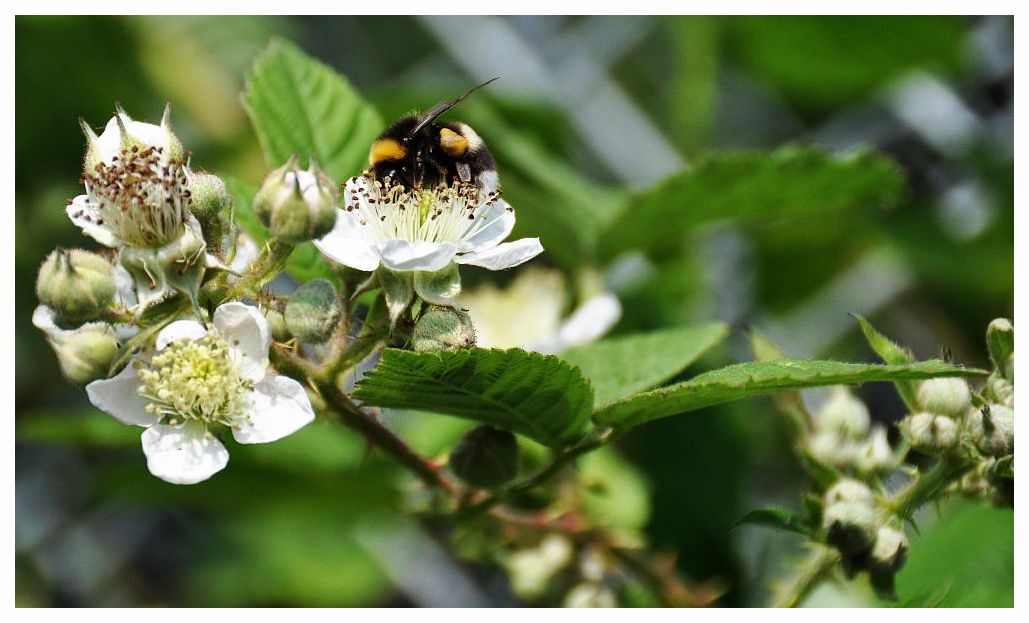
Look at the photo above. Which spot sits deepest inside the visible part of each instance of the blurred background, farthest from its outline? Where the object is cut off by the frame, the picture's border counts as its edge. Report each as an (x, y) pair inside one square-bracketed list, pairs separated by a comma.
[(587, 110)]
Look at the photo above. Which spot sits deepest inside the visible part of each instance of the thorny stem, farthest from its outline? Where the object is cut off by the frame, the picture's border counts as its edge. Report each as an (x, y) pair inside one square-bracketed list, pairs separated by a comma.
[(358, 419), (928, 486), (265, 268)]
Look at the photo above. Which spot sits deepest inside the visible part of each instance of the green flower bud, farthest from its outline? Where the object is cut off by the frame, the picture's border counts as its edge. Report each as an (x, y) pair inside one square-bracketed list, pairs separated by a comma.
[(1000, 390), (209, 195), (992, 429), (849, 518), (949, 396), (1000, 341), (297, 205), (86, 353), (443, 328), (928, 433), (844, 414), (485, 457), (313, 311), (77, 285)]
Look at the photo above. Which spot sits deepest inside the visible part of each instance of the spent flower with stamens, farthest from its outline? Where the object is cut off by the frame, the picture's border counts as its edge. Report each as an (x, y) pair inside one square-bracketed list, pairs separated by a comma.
[(201, 380), (425, 229)]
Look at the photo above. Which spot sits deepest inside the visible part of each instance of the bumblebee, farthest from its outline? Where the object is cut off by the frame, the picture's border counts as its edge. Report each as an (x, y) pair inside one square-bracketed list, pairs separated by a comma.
[(416, 152)]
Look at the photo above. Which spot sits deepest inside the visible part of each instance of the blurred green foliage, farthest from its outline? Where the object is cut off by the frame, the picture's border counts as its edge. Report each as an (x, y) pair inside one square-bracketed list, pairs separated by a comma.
[(743, 237)]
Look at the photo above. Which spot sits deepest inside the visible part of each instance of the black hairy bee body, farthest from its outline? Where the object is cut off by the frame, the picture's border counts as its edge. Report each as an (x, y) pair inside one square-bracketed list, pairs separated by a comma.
[(417, 152)]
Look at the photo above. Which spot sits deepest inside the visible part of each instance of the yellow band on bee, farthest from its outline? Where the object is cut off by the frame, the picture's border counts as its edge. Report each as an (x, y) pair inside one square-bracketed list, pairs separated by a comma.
[(452, 143), (385, 150)]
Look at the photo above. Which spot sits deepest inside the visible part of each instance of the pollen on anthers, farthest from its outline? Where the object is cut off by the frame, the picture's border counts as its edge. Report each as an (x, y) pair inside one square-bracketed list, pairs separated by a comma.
[(445, 213), (195, 380), (139, 198)]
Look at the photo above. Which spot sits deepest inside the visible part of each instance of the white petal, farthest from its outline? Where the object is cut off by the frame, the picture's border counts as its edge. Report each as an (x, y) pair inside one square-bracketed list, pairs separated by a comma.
[(500, 223), (124, 286), (280, 407), (402, 255), (183, 455), (246, 252), (349, 244), (119, 396), (83, 213), (507, 255), (589, 322), (180, 330), (246, 329), (43, 319)]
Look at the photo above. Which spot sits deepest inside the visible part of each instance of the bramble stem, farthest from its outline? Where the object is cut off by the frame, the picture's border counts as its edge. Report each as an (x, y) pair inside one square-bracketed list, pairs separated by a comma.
[(928, 486), (265, 268), (354, 417)]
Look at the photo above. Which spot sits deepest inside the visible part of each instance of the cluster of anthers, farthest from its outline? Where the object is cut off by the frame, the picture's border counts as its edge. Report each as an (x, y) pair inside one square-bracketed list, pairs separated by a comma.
[(195, 380), (141, 198), (442, 214)]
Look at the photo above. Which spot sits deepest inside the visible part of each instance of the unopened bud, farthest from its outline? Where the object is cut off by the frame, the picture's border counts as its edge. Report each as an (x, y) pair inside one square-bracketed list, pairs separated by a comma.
[(1000, 341), (313, 311), (86, 353), (844, 414), (849, 517), (992, 429), (485, 457), (209, 195), (928, 433), (77, 285), (443, 328), (1000, 390), (297, 205), (949, 396)]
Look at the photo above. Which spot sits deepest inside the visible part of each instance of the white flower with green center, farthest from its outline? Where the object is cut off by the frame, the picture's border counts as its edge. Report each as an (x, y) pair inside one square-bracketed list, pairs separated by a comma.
[(530, 313), (201, 380), (423, 230)]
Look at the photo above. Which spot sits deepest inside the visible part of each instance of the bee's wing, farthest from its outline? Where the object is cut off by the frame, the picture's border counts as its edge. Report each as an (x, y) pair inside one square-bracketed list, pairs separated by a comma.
[(437, 111)]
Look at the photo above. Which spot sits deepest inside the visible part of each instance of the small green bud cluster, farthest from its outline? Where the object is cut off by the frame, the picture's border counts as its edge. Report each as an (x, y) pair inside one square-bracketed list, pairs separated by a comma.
[(442, 328), (297, 205), (86, 353), (313, 311), (935, 429), (852, 523), (845, 438), (76, 285)]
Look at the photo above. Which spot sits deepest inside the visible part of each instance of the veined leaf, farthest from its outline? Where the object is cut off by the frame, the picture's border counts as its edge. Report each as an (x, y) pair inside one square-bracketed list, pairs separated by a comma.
[(759, 379), (892, 353), (539, 396), (789, 183), (621, 366), (301, 106), (304, 264)]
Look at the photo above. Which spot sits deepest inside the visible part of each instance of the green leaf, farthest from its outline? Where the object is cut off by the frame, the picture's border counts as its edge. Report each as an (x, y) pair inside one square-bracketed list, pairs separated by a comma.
[(621, 366), (301, 106), (968, 550), (535, 395), (783, 186), (777, 517), (755, 378), (790, 404), (305, 263), (892, 353)]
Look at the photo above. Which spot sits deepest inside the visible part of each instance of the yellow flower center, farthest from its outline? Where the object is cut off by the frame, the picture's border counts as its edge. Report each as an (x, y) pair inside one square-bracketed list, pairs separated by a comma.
[(195, 380)]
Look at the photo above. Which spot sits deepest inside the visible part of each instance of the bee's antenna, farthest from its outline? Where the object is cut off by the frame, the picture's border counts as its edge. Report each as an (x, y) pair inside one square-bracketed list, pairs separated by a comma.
[(439, 109)]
